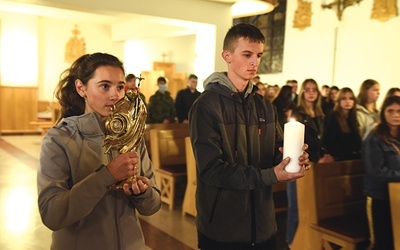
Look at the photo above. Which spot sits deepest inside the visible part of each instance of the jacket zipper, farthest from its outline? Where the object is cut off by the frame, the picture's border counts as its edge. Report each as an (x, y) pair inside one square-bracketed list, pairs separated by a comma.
[(246, 116)]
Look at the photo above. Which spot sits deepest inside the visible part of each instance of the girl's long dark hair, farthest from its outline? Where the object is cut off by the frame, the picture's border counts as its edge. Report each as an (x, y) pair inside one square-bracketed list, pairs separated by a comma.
[(362, 97), (350, 123), (83, 69), (302, 107)]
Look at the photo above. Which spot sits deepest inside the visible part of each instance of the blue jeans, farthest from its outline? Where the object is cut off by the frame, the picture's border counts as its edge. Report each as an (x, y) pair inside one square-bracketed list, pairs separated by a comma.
[(292, 211)]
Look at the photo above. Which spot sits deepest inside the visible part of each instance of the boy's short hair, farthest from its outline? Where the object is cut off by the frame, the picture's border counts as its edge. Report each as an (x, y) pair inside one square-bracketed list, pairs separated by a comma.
[(247, 31), (192, 76), (129, 77), (161, 79)]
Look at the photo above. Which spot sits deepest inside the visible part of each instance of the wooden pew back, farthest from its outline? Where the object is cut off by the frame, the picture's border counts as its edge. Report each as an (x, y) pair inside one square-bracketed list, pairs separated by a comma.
[(189, 201), (339, 189), (332, 207), (168, 147), (160, 126), (394, 191), (168, 155)]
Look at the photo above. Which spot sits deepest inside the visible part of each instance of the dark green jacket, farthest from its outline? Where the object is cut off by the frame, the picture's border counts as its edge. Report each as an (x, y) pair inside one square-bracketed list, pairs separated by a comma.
[(161, 106), (235, 141)]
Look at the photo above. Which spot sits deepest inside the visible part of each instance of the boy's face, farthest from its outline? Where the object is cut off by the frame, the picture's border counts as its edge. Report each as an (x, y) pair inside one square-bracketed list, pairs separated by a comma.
[(244, 60)]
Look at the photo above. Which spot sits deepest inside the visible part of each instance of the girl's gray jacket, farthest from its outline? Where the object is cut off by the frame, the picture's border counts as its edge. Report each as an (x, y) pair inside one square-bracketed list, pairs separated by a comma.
[(235, 141), (75, 198)]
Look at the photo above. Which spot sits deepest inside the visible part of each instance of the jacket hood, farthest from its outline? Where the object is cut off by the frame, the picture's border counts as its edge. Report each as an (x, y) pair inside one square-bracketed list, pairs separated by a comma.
[(362, 108), (222, 79)]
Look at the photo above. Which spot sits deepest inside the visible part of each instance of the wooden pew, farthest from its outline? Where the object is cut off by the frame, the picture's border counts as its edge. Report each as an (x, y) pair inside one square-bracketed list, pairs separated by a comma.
[(160, 126), (189, 200), (394, 191), (45, 125), (169, 161), (332, 207)]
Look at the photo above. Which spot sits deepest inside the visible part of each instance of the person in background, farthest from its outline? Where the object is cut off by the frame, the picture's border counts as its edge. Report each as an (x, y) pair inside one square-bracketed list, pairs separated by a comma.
[(341, 138), (270, 93), (329, 103), (284, 105), (294, 84), (236, 138), (130, 80), (309, 112), (261, 88), (256, 79), (161, 108), (75, 175), (324, 93), (367, 113), (392, 91), (276, 89), (185, 98), (381, 156)]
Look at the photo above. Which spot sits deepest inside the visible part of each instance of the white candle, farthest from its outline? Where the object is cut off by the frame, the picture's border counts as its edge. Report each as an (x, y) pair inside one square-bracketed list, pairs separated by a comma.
[(293, 141)]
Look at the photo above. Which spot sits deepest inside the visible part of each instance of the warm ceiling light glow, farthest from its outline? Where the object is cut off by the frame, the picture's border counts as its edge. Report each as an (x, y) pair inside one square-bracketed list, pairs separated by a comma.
[(243, 8)]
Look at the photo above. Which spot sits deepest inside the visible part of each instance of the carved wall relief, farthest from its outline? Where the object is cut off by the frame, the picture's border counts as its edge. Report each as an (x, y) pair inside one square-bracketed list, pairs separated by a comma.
[(302, 16), (383, 10), (75, 46)]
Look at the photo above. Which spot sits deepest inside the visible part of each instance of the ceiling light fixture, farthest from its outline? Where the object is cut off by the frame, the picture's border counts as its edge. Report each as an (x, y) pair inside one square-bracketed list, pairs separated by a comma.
[(243, 8)]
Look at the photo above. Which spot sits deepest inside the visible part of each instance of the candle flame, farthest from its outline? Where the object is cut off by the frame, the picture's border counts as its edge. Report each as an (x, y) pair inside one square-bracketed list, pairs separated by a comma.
[(292, 119)]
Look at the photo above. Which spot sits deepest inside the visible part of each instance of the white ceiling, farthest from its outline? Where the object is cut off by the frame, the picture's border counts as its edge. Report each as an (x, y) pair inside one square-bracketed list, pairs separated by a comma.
[(40, 10), (222, 1), (144, 26)]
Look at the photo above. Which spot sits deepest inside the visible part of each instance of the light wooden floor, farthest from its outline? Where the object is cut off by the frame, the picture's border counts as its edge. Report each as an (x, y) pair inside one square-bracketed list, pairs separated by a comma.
[(20, 224)]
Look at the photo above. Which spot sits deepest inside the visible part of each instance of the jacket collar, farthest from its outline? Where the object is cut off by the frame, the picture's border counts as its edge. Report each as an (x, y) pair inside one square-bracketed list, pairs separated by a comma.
[(91, 124)]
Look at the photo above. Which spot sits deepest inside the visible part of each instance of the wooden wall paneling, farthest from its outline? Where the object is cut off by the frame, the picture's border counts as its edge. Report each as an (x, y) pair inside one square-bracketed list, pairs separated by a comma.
[(149, 85), (18, 107), (178, 82)]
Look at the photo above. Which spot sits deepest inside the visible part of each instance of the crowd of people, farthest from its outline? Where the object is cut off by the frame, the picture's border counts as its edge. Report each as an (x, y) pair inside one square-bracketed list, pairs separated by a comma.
[(162, 106), (236, 131), (342, 126), (335, 118)]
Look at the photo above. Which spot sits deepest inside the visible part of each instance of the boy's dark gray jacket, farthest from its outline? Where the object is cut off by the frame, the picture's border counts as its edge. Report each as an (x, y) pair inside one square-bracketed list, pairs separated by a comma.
[(235, 139)]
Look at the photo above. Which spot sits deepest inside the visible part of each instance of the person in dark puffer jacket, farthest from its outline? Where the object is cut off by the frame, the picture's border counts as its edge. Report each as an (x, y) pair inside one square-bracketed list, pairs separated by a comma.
[(236, 137)]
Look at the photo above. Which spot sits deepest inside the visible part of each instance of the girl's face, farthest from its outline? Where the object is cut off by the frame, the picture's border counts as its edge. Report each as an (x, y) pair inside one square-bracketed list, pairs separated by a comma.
[(392, 115), (347, 101), (103, 90), (373, 93), (310, 92)]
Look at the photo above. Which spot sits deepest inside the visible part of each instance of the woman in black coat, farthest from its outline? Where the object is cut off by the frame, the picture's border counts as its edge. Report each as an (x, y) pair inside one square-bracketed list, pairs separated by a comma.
[(341, 138)]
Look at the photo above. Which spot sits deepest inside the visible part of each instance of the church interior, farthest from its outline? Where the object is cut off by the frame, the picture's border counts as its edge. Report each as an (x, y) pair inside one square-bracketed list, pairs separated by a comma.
[(39, 39)]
